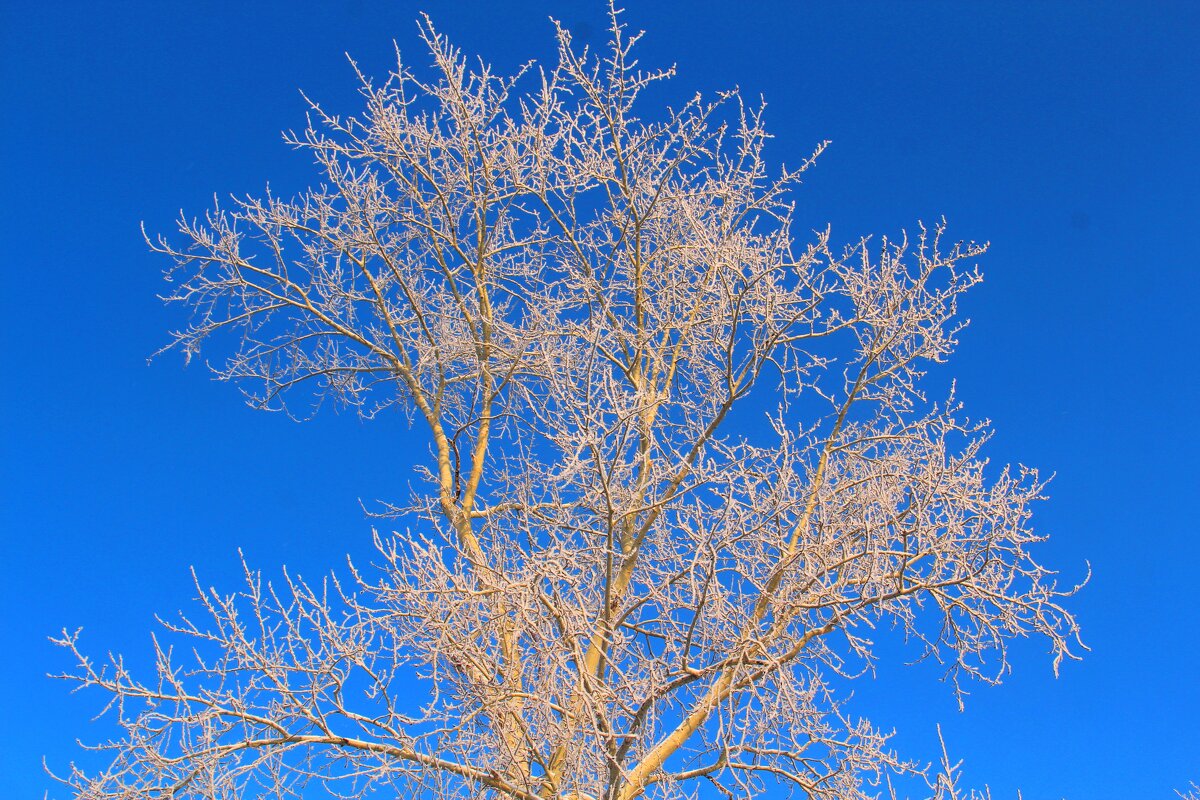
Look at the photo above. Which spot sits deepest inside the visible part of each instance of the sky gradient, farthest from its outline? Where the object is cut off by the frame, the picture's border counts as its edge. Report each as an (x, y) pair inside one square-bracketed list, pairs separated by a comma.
[(1064, 133)]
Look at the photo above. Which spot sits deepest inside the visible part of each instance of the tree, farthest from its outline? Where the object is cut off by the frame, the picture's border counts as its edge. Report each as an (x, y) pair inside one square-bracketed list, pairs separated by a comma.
[(681, 464)]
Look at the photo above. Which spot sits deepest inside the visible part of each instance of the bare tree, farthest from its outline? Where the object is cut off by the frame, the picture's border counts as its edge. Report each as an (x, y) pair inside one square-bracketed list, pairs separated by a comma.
[(681, 463)]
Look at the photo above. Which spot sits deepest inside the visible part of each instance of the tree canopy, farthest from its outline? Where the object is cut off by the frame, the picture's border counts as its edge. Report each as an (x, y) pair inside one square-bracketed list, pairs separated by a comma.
[(607, 588)]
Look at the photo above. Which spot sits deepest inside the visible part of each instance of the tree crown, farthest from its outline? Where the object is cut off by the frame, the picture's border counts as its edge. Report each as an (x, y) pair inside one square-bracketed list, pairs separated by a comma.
[(613, 590)]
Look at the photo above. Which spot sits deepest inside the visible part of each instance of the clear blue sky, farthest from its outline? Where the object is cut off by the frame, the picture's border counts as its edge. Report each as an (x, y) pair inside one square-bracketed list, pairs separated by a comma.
[(1065, 133)]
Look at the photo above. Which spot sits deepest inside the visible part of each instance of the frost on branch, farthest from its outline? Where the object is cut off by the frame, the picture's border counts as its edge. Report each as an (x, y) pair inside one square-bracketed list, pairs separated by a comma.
[(618, 584)]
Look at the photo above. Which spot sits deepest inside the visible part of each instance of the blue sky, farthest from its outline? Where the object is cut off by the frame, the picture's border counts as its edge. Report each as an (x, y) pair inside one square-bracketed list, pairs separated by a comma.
[(1065, 133)]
